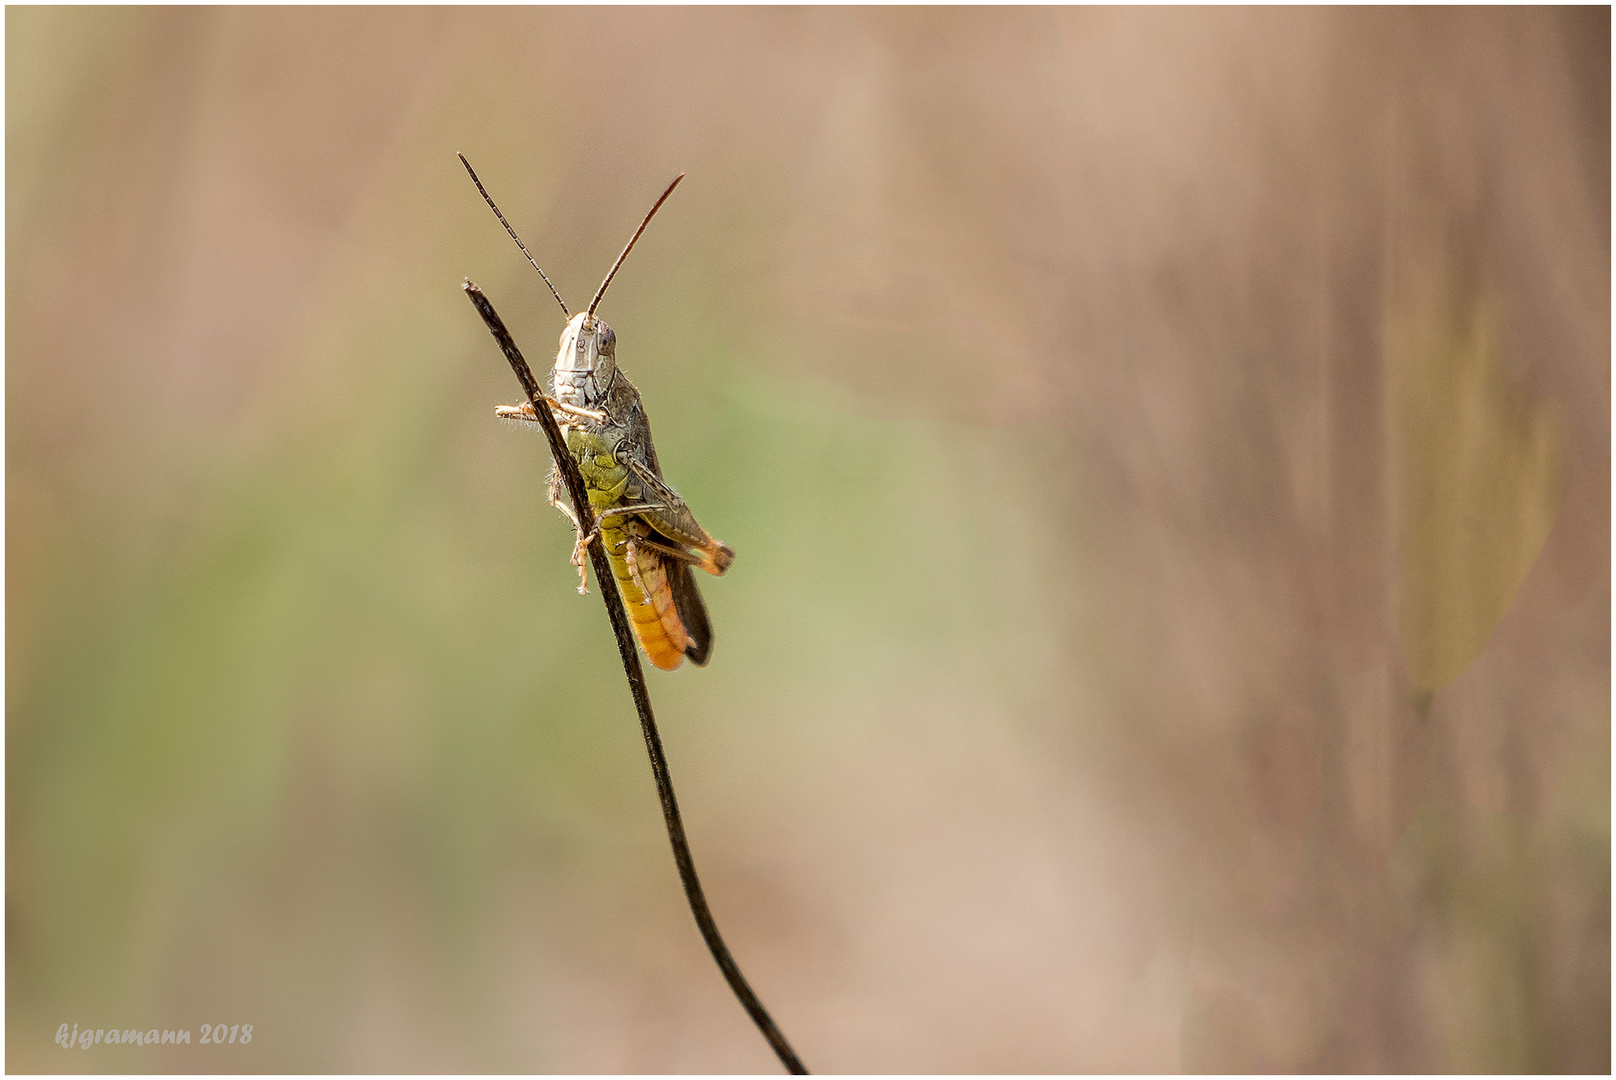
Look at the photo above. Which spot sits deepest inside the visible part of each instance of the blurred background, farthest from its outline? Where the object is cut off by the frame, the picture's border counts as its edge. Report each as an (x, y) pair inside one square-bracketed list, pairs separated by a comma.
[(1168, 456)]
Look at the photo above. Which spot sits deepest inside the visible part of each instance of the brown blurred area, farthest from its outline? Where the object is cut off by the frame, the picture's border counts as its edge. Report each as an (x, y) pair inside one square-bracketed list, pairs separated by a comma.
[(1168, 453)]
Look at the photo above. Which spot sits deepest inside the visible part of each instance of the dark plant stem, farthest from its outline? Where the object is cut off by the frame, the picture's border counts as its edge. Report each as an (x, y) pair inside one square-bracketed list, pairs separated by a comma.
[(636, 684)]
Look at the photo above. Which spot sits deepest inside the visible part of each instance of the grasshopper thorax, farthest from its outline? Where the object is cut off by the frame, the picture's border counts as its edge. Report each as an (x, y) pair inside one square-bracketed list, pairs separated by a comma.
[(585, 363)]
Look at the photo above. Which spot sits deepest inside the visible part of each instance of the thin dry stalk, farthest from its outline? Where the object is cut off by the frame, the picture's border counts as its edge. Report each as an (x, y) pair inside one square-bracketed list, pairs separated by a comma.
[(636, 684)]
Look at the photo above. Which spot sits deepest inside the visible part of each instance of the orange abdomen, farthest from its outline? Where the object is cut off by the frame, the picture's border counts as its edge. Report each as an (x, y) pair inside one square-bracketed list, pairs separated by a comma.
[(642, 579)]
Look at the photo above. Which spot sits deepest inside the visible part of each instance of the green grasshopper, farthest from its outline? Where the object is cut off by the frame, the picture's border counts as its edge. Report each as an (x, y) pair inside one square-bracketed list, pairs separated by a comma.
[(651, 537)]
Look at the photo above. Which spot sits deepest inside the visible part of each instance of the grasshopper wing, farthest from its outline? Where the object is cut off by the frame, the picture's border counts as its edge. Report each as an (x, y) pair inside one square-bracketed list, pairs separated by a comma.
[(692, 612)]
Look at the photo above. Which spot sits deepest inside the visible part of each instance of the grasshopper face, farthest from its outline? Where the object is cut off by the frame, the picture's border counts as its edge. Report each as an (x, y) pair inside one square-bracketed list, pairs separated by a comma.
[(585, 363)]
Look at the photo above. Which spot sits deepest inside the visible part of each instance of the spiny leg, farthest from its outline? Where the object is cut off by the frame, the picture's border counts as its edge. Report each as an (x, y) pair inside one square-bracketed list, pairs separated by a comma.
[(616, 511), (619, 511), (675, 521), (555, 496), (698, 558), (633, 561), (524, 411), (582, 543)]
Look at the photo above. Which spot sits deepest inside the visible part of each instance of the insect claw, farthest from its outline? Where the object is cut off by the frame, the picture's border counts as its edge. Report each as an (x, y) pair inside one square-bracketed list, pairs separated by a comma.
[(579, 552)]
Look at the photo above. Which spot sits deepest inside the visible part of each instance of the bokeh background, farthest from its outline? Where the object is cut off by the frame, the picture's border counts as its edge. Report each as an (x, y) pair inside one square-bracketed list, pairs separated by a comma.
[(1168, 454)]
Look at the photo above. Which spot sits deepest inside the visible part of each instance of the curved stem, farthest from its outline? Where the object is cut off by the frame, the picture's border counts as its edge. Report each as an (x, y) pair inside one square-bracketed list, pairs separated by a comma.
[(636, 684)]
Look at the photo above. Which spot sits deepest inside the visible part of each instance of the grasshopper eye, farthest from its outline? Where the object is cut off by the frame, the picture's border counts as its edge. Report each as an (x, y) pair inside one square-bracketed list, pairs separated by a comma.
[(608, 340)]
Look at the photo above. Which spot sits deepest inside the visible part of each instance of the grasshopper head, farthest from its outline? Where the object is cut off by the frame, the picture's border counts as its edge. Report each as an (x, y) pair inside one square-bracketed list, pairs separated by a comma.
[(585, 362)]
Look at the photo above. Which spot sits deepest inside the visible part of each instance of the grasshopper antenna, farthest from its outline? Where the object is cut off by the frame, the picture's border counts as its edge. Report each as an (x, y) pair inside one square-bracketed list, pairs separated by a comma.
[(518, 239), (632, 239)]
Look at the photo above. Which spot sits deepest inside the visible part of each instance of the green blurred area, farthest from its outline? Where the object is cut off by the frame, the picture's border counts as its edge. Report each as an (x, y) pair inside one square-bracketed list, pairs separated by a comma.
[(1167, 455)]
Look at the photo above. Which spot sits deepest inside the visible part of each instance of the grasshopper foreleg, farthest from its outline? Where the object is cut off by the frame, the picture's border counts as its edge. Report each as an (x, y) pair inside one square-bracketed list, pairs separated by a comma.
[(524, 411)]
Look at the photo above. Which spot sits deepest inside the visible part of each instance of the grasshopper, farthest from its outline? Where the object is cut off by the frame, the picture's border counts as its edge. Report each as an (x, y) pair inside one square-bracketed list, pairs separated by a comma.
[(652, 539)]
